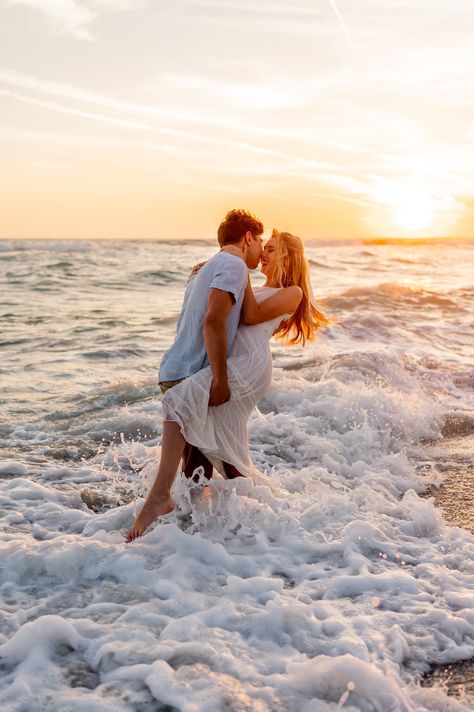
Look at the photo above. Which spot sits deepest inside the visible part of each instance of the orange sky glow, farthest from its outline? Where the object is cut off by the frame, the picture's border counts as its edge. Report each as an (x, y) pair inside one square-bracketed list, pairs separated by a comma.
[(150, 119)]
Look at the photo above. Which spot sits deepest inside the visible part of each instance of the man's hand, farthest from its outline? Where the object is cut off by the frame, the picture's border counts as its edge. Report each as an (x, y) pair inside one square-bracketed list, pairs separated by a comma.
[(219, 393)]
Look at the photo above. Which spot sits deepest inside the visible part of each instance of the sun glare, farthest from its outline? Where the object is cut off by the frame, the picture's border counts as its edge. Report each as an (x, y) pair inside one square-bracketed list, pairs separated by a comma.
[(415, 212), (411, 206)]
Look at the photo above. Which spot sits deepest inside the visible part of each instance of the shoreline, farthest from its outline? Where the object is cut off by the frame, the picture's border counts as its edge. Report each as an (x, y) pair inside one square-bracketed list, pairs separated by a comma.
[(454, 493), (454, 496)]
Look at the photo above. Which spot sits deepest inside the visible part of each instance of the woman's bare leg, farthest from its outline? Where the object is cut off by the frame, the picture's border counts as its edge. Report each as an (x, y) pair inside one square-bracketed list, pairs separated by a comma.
[(159, 500)]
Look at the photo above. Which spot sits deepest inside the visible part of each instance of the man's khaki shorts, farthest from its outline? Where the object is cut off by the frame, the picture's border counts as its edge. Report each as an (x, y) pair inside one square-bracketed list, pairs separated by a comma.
[(166, 385)]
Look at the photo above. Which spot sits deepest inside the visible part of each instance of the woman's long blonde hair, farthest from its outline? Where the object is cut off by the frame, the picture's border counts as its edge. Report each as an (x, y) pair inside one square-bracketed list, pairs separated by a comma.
[(292, 268)]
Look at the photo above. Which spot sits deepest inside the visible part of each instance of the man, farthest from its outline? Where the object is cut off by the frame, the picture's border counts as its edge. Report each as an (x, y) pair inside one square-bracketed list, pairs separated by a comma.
[(205, 332), (209, 319)]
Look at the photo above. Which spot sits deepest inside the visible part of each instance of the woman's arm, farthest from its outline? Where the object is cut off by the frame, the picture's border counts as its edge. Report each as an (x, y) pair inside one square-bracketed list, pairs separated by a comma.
[(285, 301)]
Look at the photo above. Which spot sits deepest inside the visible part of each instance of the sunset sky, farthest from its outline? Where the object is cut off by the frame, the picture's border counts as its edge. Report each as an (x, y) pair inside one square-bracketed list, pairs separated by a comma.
[(150, 119)]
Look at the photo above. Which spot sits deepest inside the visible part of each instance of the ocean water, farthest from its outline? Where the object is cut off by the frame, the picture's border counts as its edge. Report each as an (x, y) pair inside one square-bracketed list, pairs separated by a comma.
[(338, 587)]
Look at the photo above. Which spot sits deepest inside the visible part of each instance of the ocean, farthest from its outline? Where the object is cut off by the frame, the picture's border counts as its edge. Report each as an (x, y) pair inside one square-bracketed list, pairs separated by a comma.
[(342, 587)]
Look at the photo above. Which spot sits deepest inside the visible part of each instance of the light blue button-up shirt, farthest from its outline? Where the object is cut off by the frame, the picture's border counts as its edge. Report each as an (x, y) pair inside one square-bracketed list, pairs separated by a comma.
[(188, 355)]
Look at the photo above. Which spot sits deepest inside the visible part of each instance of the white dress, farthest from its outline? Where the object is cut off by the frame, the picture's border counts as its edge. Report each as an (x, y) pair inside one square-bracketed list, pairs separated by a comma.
[(221, 432)]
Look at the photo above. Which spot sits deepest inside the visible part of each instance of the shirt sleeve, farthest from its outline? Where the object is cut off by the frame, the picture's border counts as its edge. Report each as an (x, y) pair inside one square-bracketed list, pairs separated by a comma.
[(231, 277)]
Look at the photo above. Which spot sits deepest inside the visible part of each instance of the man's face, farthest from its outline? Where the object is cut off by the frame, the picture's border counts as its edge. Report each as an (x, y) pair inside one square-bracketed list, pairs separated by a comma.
[(254, 250)]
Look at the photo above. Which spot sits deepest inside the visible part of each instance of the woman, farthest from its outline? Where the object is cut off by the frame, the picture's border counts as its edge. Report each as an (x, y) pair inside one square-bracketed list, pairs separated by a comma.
[(284, 307)]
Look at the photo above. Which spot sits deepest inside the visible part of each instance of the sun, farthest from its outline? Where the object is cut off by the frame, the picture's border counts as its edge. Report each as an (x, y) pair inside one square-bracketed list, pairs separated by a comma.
[(414, 209), (410, 205)]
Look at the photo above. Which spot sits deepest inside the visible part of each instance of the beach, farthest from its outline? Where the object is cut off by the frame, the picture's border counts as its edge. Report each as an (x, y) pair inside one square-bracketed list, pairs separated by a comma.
[(343, 583)]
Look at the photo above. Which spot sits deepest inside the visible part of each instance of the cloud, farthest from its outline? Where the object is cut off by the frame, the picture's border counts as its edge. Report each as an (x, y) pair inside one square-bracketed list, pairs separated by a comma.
[(247, 94), (308, 153), (286, 94), (343, 25), (65, 16), (73, 17), (282, 160), (261, 8)]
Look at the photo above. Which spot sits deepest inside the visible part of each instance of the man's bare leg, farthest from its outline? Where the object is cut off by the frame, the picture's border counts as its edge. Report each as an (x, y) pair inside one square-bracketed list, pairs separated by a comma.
[(231, 471), (158, 501), (194, 458)]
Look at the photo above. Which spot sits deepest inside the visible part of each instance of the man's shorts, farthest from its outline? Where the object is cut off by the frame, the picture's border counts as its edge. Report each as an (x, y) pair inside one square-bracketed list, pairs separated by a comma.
[(166, 385)]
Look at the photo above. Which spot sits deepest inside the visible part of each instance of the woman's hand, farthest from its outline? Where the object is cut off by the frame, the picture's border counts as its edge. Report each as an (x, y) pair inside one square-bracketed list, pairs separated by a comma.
[(196, 269)]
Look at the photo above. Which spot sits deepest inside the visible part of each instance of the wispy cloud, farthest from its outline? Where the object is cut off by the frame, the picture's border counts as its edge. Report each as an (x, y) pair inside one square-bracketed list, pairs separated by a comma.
[(74, 17), (330, 173), (288, 94), (253, 152), (167, 130), (64, 16), (261, 8), (342, 23), (251, 95)]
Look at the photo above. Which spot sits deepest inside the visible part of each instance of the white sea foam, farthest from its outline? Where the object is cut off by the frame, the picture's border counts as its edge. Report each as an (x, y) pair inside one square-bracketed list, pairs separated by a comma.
[(344, 591), (336, 589)]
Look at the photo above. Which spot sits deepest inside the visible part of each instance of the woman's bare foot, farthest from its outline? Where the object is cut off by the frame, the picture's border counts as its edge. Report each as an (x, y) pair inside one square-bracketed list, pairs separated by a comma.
[(152, 509)]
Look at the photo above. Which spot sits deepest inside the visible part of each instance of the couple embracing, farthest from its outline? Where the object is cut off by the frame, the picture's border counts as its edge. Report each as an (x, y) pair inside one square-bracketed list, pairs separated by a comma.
[(220, 363)]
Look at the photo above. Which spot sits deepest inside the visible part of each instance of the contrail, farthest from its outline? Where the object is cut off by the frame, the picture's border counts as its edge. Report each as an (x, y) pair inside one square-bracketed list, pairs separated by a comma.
[(343, 24)]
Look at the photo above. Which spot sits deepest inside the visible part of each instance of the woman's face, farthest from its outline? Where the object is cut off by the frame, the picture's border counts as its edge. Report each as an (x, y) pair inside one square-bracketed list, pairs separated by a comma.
[(268, 260)]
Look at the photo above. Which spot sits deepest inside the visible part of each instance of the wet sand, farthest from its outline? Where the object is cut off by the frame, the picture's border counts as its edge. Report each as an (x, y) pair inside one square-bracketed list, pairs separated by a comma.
[(455, 496), (455, 493)]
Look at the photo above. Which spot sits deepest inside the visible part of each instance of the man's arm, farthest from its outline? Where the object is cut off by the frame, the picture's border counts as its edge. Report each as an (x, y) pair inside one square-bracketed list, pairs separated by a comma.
[(219, 305)]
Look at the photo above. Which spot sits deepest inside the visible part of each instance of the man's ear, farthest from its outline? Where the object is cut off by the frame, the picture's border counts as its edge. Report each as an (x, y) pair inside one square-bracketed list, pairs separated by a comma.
[(248, 237)]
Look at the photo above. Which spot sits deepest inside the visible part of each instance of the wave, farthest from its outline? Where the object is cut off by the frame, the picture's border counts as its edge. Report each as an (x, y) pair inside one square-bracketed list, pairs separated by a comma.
[(60, 265), (405, 261), (161, 277), (160, 320), (388, 293), (323, 265), (114, 353), (108, 398), (47, 245)]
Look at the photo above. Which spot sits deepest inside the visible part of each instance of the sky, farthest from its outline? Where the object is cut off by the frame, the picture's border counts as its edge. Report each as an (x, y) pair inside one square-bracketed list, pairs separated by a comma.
[(151, 119)]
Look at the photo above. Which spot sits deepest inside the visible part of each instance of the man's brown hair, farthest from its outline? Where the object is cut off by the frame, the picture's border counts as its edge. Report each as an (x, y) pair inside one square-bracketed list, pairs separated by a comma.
[(234, 226)]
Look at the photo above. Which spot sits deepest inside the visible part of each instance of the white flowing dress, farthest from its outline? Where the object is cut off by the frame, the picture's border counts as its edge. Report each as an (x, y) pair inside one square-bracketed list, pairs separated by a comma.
[(220, 432)]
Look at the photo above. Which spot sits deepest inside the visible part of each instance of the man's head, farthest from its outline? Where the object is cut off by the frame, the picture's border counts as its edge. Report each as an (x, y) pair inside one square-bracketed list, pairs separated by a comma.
[(244, 230)]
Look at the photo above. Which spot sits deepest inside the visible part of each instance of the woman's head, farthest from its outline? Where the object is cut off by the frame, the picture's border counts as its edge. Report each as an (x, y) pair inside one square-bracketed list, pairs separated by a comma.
[(284, 264), (283, 260)]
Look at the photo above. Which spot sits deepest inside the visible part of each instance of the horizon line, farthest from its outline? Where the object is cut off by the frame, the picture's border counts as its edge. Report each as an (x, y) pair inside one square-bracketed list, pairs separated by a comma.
[(365, 239)]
